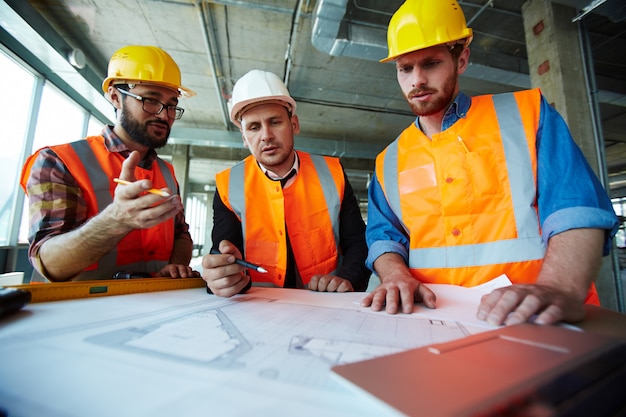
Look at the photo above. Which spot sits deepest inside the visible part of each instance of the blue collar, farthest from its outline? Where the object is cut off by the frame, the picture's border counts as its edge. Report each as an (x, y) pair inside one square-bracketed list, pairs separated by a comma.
[(457, 110)]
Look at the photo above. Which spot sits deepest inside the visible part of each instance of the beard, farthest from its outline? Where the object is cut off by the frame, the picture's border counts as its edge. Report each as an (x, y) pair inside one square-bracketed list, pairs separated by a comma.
[(440, 101), (139, 132)]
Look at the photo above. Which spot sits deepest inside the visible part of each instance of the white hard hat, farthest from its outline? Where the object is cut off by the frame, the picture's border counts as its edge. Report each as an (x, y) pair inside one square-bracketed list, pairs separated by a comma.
[(256, 87)]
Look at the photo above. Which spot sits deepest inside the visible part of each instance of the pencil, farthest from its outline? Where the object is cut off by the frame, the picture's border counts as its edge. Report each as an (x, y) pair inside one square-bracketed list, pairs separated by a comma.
[(463, 144), (151, 190), (243, 263)]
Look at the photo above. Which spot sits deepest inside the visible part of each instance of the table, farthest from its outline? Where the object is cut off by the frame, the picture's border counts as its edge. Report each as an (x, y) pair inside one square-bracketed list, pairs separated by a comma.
[(188, 353)]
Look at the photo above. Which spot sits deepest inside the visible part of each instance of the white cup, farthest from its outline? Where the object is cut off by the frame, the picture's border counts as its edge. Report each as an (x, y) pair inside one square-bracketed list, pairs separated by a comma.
[(12, 278)]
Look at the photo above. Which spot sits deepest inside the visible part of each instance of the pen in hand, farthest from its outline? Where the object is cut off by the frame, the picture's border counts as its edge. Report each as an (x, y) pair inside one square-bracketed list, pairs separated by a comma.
[(242, 262), (151, 190)]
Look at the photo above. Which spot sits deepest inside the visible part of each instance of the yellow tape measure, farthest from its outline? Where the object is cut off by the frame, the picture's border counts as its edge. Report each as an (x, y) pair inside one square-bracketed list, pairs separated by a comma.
[(70, 290)]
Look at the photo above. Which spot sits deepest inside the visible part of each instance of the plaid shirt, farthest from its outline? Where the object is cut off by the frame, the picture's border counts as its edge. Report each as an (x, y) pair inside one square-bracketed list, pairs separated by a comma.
[(57, 204)]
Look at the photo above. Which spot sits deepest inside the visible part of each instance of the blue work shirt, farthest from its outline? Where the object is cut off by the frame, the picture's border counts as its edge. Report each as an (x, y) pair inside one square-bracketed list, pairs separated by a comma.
[(569, 195)]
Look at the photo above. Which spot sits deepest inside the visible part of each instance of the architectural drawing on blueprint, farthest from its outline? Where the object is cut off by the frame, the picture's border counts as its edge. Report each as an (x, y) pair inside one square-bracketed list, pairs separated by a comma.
[(183, 353), (295, 344)]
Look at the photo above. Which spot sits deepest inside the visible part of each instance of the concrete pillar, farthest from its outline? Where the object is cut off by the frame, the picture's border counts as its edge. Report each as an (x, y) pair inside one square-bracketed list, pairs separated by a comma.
[(555, 61), (556, 66), (180, 160)]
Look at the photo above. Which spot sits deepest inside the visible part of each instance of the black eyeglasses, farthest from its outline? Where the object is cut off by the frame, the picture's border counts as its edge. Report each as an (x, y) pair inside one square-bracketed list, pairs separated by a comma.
[(153, 106)]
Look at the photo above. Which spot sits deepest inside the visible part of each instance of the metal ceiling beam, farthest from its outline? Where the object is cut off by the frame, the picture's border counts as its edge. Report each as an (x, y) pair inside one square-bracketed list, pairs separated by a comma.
[(293, 39), (251, 5), (480, 11), (208, 32)]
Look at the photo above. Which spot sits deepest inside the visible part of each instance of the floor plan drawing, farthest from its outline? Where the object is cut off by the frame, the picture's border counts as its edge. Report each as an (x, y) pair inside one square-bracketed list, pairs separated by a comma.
[(261, 335), (267, 352)]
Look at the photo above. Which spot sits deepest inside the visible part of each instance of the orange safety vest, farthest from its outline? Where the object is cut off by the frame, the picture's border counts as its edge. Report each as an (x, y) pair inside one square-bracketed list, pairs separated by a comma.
[(467, 198), (94, 167), (309, 208)]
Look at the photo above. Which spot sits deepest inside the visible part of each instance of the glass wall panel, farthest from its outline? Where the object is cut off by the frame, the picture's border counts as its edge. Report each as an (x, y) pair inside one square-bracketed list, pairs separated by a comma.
[(60, 120), (16, 83)]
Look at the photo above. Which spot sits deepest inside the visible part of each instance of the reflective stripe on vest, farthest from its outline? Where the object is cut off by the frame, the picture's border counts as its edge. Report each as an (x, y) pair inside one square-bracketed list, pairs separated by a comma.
[(236, 195), (527, 246), (331, 194), (100, 182)]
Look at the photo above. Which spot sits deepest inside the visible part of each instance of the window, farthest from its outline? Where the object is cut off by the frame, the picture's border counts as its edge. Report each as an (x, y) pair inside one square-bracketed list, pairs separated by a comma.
[(620, 237), (60, 120), (196, 216), (17, 83), (94, 127)]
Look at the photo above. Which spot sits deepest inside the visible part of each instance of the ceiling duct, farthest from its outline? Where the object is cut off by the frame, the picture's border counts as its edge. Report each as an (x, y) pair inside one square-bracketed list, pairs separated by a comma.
[(333, 35)]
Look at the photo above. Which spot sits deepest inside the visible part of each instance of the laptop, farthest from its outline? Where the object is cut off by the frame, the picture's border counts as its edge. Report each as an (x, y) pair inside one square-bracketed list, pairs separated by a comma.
[(521, 370)]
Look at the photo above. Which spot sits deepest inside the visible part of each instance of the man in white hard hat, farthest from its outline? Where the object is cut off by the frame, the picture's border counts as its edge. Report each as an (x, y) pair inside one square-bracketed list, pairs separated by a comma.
[(84, 225), (290, 212), (480, 187)]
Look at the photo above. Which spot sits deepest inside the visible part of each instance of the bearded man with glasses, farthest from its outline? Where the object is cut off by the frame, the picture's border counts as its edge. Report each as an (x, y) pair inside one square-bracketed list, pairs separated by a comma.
[(83, 224)]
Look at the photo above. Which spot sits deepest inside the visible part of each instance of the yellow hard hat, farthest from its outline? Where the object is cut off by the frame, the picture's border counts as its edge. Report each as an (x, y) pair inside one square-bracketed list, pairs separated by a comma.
[(137, 64), (420, 24)]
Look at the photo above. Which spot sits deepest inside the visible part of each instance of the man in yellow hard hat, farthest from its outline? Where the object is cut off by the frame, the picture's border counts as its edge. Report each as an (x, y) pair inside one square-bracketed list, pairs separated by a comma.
[(480, 187), (291, 212), (83, 225)]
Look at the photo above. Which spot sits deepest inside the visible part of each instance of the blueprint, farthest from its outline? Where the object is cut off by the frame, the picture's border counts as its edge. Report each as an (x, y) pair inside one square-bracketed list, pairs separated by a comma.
[(268, 352)]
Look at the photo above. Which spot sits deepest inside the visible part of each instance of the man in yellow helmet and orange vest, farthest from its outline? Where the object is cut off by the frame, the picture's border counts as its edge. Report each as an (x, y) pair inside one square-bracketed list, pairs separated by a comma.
[(291, 212), (85, 226), (479, 187)]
